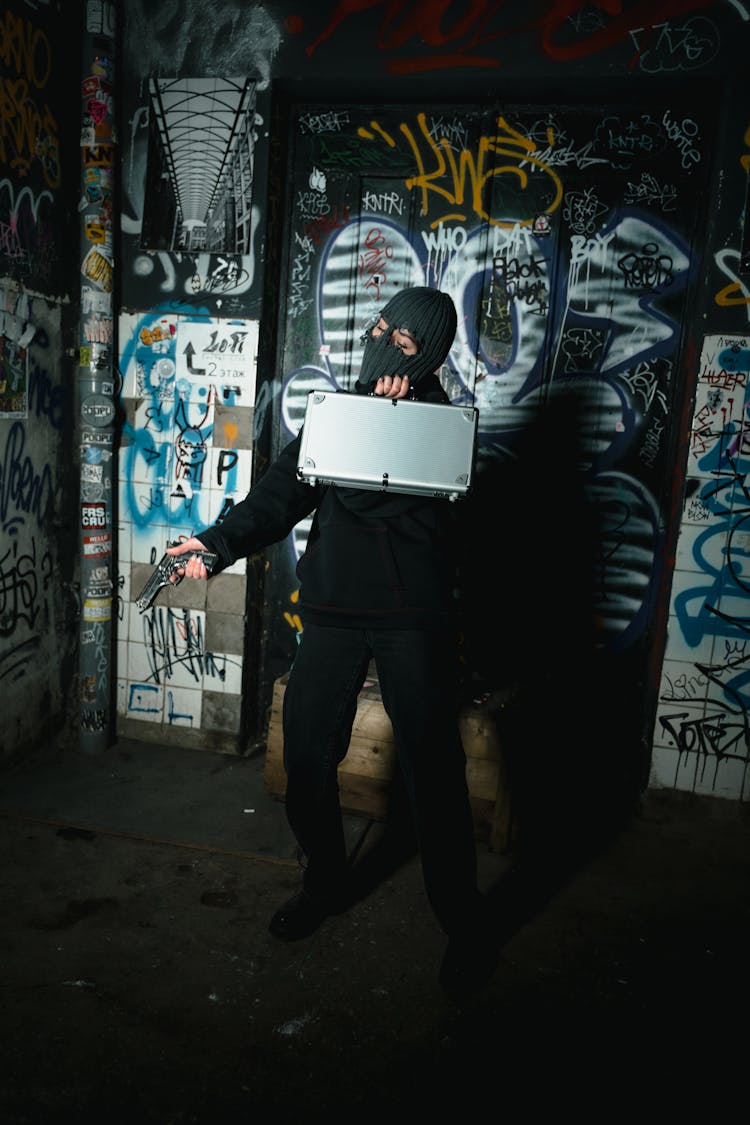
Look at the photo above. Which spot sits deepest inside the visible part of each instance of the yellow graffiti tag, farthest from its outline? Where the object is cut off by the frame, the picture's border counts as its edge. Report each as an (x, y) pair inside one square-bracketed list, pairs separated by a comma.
[(736, 292), (745, 158), (460, 179), (729, 295)]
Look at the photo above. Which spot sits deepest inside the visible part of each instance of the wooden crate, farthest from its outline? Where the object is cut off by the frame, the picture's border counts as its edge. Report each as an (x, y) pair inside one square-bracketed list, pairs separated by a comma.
[(366, 772)]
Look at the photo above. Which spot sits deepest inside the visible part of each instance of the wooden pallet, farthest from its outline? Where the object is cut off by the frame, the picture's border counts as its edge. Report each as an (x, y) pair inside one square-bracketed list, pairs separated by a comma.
[(365, 774)]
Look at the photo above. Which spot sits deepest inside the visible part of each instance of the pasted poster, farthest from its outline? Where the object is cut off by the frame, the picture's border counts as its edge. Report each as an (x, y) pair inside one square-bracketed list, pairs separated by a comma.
[(14, 378)]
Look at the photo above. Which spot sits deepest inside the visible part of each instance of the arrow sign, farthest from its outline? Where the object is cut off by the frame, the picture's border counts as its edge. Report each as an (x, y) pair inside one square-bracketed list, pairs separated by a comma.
[(190, 352), (218, 353)]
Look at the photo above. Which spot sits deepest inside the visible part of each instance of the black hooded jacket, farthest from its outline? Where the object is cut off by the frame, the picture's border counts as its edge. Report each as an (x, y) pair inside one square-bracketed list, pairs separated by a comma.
[(373, 559)]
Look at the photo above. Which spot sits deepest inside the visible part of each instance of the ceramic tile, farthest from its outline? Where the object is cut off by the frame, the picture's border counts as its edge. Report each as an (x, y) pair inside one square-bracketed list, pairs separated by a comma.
[(122, 655), (683, 683), (137, 630), (229, 471), (678, 724), (124, 570), (706, 548), (140, 663), (185, 669), (695, 509), (223, 673), (665, 768), (693, 543), (182, 707), (183, 646), (691, 592), (719, 404), (188, 506), (239, 567), (695, 648), (144, 701), (733, 603), (124, 544), (219, 503), (122, 696), (149, 543), (720, 777)]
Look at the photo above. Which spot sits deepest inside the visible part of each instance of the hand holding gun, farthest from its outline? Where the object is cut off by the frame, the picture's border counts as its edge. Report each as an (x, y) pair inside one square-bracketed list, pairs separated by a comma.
[(170, 570)]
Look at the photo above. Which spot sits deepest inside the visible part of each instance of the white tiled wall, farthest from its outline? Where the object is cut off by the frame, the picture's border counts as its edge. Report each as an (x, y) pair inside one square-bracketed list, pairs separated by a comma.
[(181, 461), (701, 737)]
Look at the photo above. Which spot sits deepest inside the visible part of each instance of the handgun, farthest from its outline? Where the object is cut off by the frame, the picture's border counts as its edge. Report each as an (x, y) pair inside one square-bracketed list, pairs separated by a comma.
[(168, 566)]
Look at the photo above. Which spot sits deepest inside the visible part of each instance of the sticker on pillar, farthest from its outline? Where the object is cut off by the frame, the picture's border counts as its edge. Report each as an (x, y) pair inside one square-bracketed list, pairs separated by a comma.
[(98, 410), (97, 609), (88, 689), (94, 454), (96, 228), (93, 301), (94, 515), (94, 491), (92, 474), (97, 329), (97, 356), (98, 268), (97, 546), (99, 586), (103, 440)]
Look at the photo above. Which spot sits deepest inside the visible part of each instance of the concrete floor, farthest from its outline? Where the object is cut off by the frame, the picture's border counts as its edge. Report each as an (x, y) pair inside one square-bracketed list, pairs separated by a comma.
[(140, 983)]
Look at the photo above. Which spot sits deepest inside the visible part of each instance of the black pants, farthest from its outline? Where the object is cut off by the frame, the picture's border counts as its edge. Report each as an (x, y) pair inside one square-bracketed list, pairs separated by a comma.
[(418, 682)]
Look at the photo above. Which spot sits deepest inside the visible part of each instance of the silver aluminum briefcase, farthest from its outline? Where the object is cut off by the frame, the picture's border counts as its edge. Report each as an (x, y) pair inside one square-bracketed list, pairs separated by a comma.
[(398, 445)]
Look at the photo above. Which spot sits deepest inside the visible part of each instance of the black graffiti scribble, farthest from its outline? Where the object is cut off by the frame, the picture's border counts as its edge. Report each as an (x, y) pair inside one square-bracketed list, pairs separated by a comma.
[(174, 639), (648, 269), (712, 736), (23, 580), (15, 660), (20, 484)]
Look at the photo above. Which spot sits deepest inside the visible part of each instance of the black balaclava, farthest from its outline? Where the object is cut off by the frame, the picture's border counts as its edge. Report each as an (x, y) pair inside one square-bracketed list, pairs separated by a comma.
[(430, 316)]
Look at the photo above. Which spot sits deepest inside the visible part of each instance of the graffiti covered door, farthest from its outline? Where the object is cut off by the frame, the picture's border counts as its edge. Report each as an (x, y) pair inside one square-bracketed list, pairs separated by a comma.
[(565, 236)]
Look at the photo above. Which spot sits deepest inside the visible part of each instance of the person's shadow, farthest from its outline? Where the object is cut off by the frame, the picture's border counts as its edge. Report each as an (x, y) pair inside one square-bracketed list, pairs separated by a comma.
[(570, 729)]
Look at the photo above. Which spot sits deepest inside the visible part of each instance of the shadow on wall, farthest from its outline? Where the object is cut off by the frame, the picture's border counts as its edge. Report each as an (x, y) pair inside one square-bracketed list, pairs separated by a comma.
[(572, 734)]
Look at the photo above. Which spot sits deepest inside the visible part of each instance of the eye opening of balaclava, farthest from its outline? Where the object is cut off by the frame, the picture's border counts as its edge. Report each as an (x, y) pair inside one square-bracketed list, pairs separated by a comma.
[(430, 316)]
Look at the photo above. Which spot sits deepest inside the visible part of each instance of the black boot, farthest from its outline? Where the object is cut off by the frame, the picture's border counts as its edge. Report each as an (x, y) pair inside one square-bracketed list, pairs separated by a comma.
[(298, 918), (304, 912)]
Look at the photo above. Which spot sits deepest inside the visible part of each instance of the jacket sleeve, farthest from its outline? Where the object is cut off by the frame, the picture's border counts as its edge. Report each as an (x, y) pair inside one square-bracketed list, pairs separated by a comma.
[(272, 507)]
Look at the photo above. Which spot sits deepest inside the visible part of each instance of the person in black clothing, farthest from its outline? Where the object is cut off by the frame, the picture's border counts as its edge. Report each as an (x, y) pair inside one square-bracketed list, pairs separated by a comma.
[(377, 582)]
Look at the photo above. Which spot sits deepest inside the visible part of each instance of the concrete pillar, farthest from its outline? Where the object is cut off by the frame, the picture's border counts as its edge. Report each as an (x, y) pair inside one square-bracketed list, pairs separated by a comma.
[(96, 377)]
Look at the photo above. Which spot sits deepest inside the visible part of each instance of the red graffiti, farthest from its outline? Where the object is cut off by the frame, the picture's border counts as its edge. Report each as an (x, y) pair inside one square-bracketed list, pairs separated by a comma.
[(320, 229), (470, 27), (644, 14)]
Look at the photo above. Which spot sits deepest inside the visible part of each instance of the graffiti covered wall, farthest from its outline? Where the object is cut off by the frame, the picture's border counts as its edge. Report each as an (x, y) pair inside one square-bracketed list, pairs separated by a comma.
[(566, 239), (38, 597), (189, 391), (37, 231), (701, 736), (593, 243)]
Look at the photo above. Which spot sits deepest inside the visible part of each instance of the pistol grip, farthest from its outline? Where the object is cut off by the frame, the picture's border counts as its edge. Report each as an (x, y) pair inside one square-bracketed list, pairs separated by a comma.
[(168, 566), (156, 582)]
